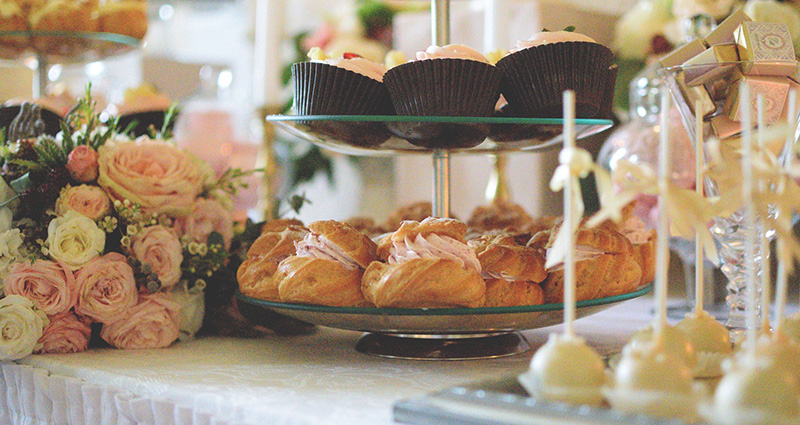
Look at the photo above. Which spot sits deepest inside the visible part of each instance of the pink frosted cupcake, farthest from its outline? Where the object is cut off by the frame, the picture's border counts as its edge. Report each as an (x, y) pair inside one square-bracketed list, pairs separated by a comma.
[(350, 85), (452, 80), (538, 70)]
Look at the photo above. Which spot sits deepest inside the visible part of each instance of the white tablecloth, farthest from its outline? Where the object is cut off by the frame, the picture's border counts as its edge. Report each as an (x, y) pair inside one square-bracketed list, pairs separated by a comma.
[(311, 379)]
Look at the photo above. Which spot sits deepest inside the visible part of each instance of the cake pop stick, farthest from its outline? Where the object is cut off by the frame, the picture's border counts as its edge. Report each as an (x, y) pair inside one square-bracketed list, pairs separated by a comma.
[(699, 258), (749, 215), (763, 248), (662, 249), (782, 271), (569, 259)]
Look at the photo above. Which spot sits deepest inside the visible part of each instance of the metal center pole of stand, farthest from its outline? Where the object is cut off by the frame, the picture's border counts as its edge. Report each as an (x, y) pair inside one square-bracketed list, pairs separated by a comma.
[(441, 183), (40, 78), (440, 36)]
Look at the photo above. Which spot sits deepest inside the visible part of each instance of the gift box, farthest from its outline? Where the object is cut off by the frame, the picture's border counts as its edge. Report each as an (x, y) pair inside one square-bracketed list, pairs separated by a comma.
[(765, 48), (774, 91), (716, 62)]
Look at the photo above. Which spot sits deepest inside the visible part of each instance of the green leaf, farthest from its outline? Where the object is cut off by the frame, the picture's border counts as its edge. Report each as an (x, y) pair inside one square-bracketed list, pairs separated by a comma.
[(22, 184), (307, 166), (215, 238), (570, 28)]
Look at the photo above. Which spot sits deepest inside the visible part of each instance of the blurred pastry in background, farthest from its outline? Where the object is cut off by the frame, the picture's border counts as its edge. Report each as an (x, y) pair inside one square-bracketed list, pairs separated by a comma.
[(499, 215), (416, 211), (12, 18), (126, 17)]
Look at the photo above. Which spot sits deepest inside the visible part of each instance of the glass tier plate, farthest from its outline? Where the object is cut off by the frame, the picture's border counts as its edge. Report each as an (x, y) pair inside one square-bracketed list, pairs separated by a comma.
[(53, 47), (438, 321), (383, 135)]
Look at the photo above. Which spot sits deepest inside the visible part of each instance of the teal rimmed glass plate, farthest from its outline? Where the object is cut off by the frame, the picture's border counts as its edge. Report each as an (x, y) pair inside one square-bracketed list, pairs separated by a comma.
[(62, 47), (438, 321), (383, 135)]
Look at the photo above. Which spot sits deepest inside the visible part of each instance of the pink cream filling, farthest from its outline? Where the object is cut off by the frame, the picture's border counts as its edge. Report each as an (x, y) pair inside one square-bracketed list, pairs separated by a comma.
[(434, 246), (582, 253), (318, 246)]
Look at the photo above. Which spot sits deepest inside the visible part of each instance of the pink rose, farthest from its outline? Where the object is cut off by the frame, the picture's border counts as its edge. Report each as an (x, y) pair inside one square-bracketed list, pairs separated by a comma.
[(160, 248), (152, 323), (50, 285), (207, 216), (105, 288), (154, 174), (82, 164), (90, 201), (66, 333)]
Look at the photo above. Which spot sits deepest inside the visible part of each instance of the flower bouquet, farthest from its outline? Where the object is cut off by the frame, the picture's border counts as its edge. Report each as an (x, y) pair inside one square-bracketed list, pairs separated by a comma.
[(108, 238)]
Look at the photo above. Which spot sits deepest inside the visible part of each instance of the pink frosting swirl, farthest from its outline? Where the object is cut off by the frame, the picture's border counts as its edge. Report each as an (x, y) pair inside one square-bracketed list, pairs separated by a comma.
[(434, 246), (106, 288), (318, 246), (50, 285), (66, 333), (548, 37), (152, 323), (358, 65), (452, 51)]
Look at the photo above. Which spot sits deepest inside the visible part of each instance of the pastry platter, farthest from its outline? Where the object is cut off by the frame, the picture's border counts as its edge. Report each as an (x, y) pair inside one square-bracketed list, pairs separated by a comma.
[(436, 333), (386, 135)]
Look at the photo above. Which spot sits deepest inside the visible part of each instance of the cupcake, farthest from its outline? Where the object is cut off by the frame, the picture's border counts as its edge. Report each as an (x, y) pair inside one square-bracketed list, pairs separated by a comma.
[(540, 69), (350, 85), (454, 81)]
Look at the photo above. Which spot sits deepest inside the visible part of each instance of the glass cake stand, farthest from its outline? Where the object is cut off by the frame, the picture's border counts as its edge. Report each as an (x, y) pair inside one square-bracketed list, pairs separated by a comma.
[(41, 49), (435, 333)]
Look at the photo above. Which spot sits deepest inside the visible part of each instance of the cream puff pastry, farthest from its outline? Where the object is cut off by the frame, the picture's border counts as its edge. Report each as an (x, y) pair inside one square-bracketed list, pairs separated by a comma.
[(327, 267), (605, 265), (256, 275), (512, 272), (428, 264)]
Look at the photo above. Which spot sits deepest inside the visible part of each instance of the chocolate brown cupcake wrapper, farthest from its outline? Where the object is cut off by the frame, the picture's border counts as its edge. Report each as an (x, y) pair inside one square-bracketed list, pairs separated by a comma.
[(444, 87), (322, 89), (535, 78)]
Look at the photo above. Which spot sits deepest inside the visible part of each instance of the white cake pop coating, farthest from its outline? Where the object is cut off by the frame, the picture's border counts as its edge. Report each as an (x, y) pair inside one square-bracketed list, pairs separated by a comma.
[(754, 392), (653, 381), (566, 369), (673, 340), (711, 341), (777, 349)]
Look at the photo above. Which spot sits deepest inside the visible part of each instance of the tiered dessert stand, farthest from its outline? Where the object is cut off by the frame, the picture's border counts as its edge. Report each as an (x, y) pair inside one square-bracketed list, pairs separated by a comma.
[(435, 333)]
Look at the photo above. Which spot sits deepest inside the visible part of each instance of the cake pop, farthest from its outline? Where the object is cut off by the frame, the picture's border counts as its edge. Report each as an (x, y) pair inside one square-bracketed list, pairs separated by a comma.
[(566, 369), (754, 392), (710, 339), (654, 375)]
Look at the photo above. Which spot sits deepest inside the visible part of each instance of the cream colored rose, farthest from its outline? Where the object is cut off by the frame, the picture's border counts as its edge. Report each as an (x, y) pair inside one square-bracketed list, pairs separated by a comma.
[(193, 308), (159, 248), (74, 239), (90, 201), (11, 250), (717, 9), (638, 26), (21, 326), (154, 174), (206, 216), (152, 323)]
